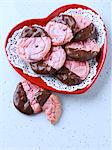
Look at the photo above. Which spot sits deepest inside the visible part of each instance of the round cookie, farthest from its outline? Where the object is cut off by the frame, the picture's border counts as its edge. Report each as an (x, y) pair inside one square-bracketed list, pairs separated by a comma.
[(52, 63), (82, 51), (34, 44), (28, 98), (73, 72), (84, 29), (81, 22), (88, 32), (31, 99), (61, 29)]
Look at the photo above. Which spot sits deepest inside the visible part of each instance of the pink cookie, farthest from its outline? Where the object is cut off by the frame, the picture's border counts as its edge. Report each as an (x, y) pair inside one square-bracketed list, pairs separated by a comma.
[(89, 45), (29, 98), (82, 51), (52, 108), (73, 72), (85, 29), (81, 69), (81, 22), (53, 62), (57, 58), (34, 44), (31, 91), (61, 29)]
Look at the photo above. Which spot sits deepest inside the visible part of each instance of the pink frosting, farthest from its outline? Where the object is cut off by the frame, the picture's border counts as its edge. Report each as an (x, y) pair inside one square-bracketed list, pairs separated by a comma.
[(34, 48), (89, 45), (79, 68), (31, 90), (59, 33), (35, 106), (81, 22), (52, 108), (57, 58)]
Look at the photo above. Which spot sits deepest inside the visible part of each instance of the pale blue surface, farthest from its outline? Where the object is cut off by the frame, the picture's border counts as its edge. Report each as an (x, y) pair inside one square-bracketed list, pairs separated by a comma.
[(86, 120)]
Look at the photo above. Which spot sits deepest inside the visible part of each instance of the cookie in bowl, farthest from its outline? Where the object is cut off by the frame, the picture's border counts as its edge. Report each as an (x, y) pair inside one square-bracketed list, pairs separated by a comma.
[(34, 44), (87, 42), (51, 63), (61, 29), (73, 72), (82, 51), (84, 29)]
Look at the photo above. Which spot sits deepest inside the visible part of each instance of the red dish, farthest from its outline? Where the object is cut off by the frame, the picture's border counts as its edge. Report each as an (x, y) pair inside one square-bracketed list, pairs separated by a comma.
[(42, 21)]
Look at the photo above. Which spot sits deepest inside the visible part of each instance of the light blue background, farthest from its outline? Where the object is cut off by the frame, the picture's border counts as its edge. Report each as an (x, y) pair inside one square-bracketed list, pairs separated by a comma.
[(86, 120)]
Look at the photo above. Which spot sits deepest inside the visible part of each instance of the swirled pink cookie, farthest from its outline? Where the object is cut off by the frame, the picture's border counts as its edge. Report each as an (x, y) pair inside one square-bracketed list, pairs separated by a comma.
[(52, 108), (73, 72), (85, 29), (31, 99), (61, 29), (34, 44), (79, 68), (81, 22), (52, 63), (82, 51)]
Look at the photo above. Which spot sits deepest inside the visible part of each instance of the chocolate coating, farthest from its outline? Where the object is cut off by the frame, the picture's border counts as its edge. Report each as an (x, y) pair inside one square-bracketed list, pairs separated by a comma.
[(33, 31), (23, 104), (94, 35), (42, 68), (79, 55), (88, 32), (42, 97), (67, 20), (68, 77), (20, 100)]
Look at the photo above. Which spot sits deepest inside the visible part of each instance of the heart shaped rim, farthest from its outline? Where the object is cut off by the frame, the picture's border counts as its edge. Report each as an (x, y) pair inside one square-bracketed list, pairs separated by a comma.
[(42, 21)]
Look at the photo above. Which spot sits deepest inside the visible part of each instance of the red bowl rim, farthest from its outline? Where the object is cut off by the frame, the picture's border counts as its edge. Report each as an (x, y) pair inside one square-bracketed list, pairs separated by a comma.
[(37, 80)]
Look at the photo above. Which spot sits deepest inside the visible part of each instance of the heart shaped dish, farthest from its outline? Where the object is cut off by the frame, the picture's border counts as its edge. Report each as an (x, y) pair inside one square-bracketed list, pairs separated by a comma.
[(52, 82)]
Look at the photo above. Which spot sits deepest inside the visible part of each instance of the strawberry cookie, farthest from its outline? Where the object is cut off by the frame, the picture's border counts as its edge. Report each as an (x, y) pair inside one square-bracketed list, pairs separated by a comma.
[(82, 51), (31, 99), (33, 44), (52, 63), (84, 29), (73, 72), (61, 29)]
